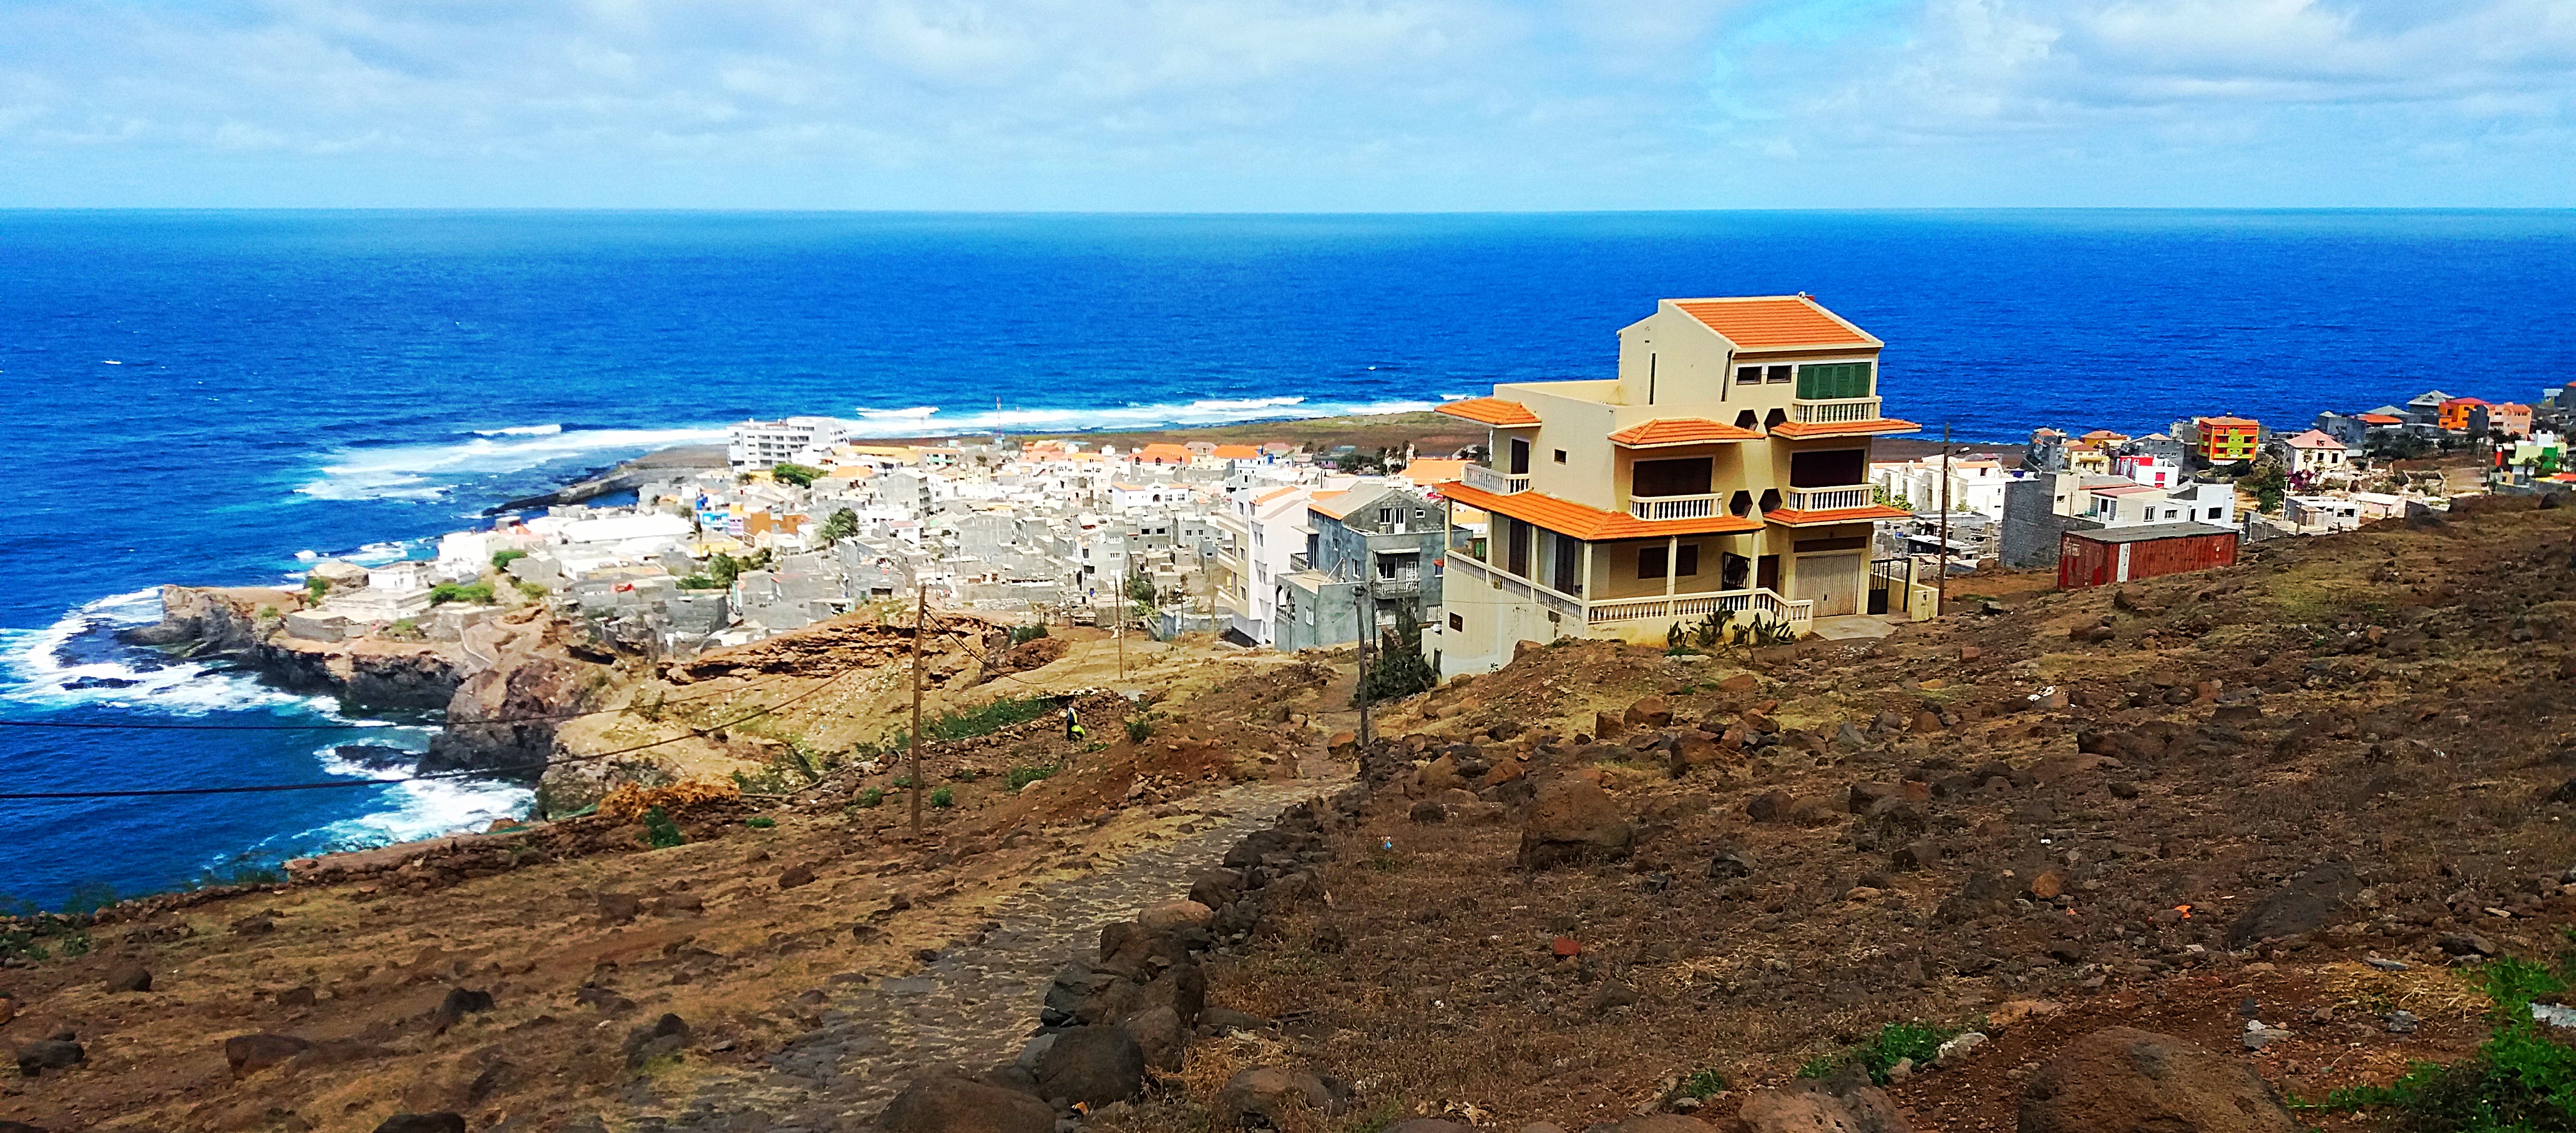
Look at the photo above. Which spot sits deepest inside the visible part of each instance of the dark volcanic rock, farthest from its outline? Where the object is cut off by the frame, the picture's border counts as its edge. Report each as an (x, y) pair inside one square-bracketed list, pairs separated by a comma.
[(1092, 1066), (942, 1104), (1267, 1096), (1570, 821), (2301, 905), (49, 1054), (250, 1054), (423, 1123)]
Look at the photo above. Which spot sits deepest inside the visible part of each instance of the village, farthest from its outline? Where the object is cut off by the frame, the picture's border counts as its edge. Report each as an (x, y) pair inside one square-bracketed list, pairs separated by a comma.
[(1752, 504)]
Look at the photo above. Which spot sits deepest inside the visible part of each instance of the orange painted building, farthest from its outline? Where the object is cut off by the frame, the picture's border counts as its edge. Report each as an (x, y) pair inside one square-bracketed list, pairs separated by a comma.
[(2226, 440), (2454, 413)]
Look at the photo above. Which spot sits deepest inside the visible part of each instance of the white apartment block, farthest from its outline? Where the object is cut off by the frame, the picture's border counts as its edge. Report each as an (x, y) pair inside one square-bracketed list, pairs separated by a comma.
[(763, 444)]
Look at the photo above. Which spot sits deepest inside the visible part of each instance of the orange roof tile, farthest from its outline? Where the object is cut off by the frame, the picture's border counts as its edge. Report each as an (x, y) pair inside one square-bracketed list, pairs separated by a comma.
[(1789, 518), (1236, 452), (1773, 321), (1794, 431), (1680, 431), (1490, 411), (1275, 493), (2226, 422), (1565, 517), (1424, 473), (1164, 451), (2378, 419)]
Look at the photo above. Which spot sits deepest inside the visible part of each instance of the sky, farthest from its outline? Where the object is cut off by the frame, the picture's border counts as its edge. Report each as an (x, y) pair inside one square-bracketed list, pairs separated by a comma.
[(1287, 105)]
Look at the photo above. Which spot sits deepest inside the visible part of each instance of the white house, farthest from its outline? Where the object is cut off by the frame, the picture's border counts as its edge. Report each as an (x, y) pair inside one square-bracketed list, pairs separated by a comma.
[(2318, 515), (2130, 505), (1976, 484), (2152, 471), (2311, 452)]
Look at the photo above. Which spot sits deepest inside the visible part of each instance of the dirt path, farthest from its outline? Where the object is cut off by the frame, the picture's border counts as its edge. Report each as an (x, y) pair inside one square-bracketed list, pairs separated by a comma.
[(975, 1003)]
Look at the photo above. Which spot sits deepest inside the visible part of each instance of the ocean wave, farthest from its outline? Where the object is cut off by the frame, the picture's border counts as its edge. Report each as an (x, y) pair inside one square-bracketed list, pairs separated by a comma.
[(932, 421), (431, 471), (424, 808), (520, 431), (77, 662)]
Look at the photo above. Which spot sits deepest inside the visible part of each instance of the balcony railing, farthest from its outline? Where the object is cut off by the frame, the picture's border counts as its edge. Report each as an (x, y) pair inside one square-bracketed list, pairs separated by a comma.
[(1485, 479), (1755, 602), (1839, 411), (1673, 507), (1830, 499), (1404, 583)]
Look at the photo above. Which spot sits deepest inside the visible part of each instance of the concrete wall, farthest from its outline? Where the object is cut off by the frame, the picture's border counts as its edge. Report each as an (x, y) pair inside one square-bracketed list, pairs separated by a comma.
[(2032, 526)]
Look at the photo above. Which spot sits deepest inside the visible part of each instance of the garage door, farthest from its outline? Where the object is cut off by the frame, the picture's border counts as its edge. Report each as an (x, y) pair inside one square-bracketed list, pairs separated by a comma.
[(1832, 582)]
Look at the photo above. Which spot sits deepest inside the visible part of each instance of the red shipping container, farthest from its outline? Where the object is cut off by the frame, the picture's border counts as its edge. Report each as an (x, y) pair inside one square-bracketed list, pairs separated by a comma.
[(2123, 554)]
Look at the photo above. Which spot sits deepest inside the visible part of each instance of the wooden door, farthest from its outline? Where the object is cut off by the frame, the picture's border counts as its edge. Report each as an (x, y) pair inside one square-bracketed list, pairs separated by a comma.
[(1832, 582)]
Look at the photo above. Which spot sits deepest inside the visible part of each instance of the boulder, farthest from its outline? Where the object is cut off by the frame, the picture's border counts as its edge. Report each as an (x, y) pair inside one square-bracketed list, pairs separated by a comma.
[(1267, 1095), (1569, 821), (129, 978), (460, 1002), (795, 876), (49, 1054), (1172, 915), (1429, 1125), (943, 1104), (250, 1054), (1649, 712), (1092, 1066), (1809, 1111), (423, 1123), (2301, 904), (1659, 1123), (618, 908), (1159, 1034), (2121, 1080), (665, 1037)]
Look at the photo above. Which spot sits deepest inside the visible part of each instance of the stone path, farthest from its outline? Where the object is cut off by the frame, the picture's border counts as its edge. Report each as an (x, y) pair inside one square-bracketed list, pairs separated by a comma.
[(977, 1003)]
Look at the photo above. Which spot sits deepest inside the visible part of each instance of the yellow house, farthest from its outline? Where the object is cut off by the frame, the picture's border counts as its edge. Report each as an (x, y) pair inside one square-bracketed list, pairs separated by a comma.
[(1725, 467)]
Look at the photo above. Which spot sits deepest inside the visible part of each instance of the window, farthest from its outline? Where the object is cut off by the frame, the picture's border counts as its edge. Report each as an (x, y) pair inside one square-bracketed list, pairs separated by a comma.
[(1829, 380), (2215, 513), (1670, 477), (1560, 456), (1520, 456), (1748, 375), (1385, 516), (1650, 561), (1779, 375), (1457, 623)]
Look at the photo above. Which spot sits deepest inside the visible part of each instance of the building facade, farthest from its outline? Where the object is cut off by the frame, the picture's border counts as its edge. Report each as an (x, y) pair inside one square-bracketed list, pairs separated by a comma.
[(1724, 467)]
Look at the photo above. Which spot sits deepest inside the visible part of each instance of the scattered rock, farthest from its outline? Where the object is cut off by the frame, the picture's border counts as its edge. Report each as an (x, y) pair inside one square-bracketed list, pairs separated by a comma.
[(1958, 1049), (945, 1104), (460, 1002), (618, 908), (129, 978), (1172, 916), (2302, 904), (2466, 944), (1159, 1034), (2013, 1011), (1429, 1125), (665, 1037), (1650, 712), (49, 1054), (796, 875), (2259, 1035), (2401, 1022), (1571, 821), (250, 1054), (1091, 1065), (1267, 1096), (2121, 1080)]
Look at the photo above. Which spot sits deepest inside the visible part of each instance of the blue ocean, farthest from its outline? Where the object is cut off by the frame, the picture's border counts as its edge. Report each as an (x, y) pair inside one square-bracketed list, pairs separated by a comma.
[(202, 395)]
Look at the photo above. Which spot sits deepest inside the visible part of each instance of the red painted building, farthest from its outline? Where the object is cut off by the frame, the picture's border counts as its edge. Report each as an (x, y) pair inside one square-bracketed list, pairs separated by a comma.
[(2124, 554)]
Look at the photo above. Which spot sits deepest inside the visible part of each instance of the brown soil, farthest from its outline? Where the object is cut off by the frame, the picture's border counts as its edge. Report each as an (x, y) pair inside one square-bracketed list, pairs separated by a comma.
[(2386, 700)]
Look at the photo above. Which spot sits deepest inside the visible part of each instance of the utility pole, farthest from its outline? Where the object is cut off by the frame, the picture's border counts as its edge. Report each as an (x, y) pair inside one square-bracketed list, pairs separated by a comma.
[(1367, 628), (920, 623), (1941, 605)]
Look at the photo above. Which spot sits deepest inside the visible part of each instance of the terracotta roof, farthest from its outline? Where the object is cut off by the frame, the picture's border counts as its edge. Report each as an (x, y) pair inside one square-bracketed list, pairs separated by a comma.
[(2378, 419), (1236, 452), (1424, 473), (1565, 517), (1164, 450), (1789, 518), (1797, 432), (1490, 411), (2313, 438), (2226, 422), (1773, 321), (1680, 431), (1273, 494)]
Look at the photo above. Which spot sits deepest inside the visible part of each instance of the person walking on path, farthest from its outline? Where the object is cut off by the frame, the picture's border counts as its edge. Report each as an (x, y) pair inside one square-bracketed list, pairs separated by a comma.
[(1072, 724)]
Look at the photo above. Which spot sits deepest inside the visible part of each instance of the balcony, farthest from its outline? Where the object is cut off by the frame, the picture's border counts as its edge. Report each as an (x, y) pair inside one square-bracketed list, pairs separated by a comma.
[(1678, 608), (1831, 499), (1485, 479), (1401, 584), (1839, 411), (1675, 507), (1297, 562)]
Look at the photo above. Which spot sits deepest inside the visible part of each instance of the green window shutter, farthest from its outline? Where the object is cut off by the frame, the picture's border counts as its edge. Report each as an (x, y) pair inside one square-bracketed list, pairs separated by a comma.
[(1826, 381)]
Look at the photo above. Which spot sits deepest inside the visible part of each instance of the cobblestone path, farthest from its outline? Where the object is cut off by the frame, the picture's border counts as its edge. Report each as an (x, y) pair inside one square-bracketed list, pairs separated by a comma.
[(976, 1003)]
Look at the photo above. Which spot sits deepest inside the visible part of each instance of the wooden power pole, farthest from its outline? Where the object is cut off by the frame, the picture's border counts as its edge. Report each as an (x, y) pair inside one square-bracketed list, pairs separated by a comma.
[(920, 624), (1941, 605), (1368, 628)]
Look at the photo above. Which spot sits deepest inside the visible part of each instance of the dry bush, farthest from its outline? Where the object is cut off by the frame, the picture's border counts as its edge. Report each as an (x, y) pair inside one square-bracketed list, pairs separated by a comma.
[(629, 802)]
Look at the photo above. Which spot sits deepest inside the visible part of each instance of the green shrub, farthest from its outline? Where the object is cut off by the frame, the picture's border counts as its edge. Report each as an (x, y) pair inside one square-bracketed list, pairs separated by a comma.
[(660, 832), (943, 797), (798, 474), (315, 588), (986, 719), (1704, 1082), (700, 582), (1019, 777), (1022, 635), (842, 524), (531, 590), (478, 593), (869, 798), (1139, 730), (501, 560), (1397, 668), (760, 822), (1893, 1043), (2520, 1081)]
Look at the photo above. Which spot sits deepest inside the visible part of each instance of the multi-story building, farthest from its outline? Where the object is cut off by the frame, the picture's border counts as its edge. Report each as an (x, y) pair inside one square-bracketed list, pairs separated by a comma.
[(1372, 556), (762, 444), (2222, 440), (1724, 467)]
